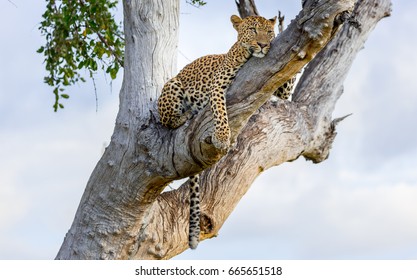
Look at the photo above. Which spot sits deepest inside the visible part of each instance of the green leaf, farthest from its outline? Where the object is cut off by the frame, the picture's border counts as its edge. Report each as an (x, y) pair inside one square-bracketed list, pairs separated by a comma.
[(65, 81), (113, 73), (79, 35), (196, 3), (93, 65)]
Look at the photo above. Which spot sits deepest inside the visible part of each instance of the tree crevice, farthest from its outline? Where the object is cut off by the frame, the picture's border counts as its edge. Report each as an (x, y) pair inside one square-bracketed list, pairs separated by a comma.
[(137, 221)]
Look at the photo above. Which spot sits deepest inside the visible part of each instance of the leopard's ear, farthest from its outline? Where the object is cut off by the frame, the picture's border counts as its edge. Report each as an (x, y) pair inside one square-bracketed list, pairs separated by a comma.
[(236, 21), (273, 20)]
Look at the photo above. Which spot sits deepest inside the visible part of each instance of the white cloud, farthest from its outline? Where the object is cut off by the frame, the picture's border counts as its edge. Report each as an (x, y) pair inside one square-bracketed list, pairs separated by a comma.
[(13, 205), (46, 161), (358, 204), (303, 212)]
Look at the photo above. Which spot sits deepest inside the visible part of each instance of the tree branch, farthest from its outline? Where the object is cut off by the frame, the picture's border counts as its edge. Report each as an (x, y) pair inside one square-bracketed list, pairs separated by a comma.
[(103, 40), (279, 132), (12, 3), (290, 51), (123, 214), (281, 19), (246, 8)]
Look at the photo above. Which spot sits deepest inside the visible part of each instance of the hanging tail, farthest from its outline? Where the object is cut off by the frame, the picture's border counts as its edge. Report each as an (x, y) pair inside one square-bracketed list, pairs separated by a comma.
[(194, 227)]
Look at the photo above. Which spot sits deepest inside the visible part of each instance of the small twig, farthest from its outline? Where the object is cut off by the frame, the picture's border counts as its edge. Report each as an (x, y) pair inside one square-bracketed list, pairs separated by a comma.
[(338, 120), (95, 89), (103, 40), (181, 53), (280, 22), (12, 3)]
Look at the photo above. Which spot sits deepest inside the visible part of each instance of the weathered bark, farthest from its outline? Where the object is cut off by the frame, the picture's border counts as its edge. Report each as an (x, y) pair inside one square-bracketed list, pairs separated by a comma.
[(123, 186), (122, 213), (246, 8)]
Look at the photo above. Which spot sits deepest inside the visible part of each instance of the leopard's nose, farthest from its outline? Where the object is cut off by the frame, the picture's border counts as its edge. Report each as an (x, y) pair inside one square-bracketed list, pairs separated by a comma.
[(262, 45)]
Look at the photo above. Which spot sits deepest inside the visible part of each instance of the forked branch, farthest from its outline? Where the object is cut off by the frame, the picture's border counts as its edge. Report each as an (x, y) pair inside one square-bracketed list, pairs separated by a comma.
[(278, 132)]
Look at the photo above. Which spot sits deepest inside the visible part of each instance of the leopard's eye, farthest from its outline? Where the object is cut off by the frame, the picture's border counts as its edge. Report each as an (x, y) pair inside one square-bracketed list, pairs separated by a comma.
[(253, 29)]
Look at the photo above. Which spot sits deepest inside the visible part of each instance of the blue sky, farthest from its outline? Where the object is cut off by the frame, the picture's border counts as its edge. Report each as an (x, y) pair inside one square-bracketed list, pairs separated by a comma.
[(359, 204)]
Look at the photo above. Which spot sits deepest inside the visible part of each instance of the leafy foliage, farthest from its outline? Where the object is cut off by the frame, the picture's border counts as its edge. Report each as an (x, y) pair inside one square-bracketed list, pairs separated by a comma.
[(196, 3), (80, 35)]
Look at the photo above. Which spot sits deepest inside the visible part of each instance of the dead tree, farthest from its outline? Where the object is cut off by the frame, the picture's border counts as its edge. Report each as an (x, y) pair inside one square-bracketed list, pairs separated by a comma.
[(124, 215)]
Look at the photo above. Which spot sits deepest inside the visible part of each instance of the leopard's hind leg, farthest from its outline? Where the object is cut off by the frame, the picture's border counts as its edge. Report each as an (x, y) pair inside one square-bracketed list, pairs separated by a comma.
[(285, 91), (171, 107)]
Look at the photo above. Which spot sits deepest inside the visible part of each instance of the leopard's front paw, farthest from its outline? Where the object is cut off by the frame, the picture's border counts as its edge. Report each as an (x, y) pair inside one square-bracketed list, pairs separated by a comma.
[(221, 140)]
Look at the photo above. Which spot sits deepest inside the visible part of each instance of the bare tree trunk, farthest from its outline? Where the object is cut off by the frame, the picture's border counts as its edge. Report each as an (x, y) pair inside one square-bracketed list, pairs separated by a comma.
[(126, 181), (123, 215)]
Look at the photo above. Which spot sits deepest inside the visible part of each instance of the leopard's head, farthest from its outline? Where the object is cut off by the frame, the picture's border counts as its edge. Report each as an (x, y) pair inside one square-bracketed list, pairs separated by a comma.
[(255, 33)]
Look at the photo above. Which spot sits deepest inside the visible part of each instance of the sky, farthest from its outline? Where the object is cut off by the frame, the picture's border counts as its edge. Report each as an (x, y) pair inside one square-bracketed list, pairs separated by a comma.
[(358, 204)]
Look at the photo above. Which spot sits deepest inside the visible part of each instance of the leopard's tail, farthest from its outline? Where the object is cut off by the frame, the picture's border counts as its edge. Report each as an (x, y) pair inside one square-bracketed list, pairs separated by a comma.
[(194, 227)]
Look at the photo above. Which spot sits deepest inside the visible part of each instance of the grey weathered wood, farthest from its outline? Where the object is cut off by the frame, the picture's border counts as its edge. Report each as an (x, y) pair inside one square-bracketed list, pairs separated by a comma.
[(126, 180), (122, 214), (246, 8)]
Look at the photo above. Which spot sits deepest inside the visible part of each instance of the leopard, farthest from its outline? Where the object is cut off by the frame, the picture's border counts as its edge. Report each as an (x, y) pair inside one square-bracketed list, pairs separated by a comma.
[(285, 91), (204, 82)]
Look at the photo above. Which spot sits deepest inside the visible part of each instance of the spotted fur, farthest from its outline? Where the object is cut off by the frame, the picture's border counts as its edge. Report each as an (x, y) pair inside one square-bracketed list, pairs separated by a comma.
[(284, 91), (205, 81)]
